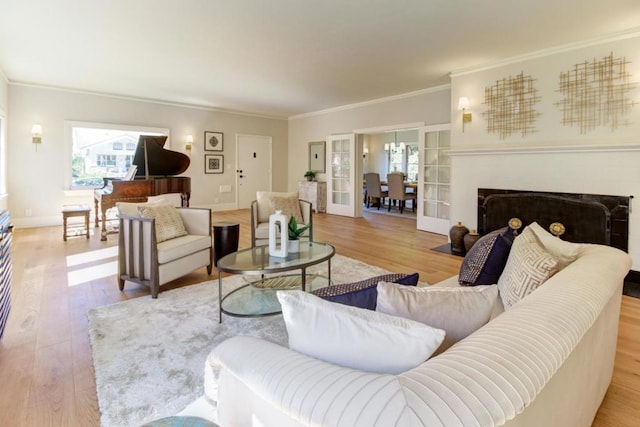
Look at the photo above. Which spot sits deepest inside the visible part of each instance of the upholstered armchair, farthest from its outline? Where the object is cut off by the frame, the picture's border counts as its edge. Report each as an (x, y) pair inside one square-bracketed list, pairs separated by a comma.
[(397, 192), (160, 243), (374, 189), (267, 203)]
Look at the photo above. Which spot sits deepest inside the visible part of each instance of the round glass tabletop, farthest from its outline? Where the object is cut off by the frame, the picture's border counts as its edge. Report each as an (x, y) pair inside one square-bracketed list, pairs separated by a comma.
[(258, 260)]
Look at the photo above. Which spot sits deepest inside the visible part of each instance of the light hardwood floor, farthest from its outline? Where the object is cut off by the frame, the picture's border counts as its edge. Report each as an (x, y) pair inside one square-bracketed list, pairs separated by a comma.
[(46, 371)]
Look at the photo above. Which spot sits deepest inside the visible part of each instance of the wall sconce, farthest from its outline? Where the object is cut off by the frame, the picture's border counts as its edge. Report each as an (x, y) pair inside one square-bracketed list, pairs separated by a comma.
[(463, 104), (365, 151), (386, 147), (188, 141), (36, 134)]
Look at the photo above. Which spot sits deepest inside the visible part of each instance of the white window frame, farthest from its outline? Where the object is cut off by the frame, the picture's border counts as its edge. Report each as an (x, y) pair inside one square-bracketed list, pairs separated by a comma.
[(68, 137)]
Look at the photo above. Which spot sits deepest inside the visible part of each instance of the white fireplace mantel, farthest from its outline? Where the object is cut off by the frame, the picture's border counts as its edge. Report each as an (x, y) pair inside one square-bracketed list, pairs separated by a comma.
[(543, 149)]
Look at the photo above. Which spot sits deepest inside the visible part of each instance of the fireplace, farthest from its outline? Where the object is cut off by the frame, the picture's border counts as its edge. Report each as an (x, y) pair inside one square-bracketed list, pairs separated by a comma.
[(587, 218)]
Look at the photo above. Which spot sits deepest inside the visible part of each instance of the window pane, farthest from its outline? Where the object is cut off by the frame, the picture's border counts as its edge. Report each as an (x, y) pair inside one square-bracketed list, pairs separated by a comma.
[(98, 153)]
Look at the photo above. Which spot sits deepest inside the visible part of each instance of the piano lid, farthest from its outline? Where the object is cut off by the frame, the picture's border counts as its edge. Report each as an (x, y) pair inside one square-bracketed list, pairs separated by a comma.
[(161, 162)]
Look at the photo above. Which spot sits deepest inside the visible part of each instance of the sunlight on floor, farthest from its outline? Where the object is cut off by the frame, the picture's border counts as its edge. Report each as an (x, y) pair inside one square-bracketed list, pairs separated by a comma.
[(94, 271)]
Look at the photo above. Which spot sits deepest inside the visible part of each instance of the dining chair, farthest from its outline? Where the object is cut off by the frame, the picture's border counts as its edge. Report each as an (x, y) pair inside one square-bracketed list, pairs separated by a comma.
[(397, 192), (374, 189)]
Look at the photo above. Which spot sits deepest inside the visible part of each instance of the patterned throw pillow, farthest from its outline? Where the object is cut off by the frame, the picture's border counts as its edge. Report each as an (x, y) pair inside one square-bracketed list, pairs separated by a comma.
[(169, 224), (484, 263), (269, 202), (180, 421), (364, 293), (528, 267)]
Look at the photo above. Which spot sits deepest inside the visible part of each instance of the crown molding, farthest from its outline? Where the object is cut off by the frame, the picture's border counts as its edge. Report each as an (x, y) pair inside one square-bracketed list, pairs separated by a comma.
[(623, 35), (373, 102), (146, 100), (3, 76)]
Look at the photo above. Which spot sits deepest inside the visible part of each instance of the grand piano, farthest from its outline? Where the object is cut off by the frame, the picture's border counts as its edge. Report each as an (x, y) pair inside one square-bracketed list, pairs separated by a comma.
[(156, 167)]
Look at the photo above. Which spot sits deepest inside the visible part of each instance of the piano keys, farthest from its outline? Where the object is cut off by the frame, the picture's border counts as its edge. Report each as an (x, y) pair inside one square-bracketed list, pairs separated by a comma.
[(155, 165)]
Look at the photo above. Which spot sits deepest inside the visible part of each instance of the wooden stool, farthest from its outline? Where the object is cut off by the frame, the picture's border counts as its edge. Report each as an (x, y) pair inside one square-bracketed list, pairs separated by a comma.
[(75, 210)]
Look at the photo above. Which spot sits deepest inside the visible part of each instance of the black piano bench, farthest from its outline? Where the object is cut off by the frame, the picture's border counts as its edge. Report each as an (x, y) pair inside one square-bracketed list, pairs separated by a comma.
[(71, 211)]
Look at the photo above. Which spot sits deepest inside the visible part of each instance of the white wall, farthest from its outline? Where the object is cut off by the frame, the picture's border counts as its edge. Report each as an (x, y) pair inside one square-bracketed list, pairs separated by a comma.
[(556, 158), (36, 178), (430, 107)]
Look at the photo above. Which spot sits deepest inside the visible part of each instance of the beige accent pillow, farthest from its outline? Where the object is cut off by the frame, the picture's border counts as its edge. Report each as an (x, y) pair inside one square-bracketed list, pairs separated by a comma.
[(169, 223), (269, 202), (353, 337), (131, 209), (565, 252), (528, 267), (459, 311)]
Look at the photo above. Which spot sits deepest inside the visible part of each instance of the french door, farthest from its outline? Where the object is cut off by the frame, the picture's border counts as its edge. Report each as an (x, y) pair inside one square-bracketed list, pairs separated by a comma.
[(434, 183), (344, 174)]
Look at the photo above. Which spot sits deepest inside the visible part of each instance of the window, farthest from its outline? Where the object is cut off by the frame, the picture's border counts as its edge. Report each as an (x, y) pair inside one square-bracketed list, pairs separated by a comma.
[(97, 151), (403, 157)]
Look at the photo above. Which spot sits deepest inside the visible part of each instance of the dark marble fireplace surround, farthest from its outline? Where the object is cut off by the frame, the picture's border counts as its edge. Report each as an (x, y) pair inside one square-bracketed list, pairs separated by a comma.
[(587, 218)]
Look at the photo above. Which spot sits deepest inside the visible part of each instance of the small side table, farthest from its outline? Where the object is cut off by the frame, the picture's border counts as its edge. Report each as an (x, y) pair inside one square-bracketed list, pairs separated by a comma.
[(225, 239), (71, 211)]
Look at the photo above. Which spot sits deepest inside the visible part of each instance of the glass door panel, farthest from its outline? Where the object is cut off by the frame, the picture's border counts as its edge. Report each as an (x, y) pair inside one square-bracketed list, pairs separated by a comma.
[(434, 183), (340, 185)]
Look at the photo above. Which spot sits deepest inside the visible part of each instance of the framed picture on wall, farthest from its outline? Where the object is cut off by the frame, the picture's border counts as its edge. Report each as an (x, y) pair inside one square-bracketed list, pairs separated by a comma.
[(213, 141), (213, 163)]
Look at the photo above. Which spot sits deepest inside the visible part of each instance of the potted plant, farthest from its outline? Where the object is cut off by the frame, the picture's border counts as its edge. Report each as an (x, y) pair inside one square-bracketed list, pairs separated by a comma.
[(294, 234), (310, 175)]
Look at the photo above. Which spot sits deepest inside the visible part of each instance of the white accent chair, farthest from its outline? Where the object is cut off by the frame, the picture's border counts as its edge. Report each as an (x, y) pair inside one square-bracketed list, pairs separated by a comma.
[(141, 259), (262, 208)]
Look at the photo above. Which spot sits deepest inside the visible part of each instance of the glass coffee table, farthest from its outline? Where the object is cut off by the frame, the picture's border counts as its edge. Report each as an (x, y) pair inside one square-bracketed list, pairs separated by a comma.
[(258, 298)]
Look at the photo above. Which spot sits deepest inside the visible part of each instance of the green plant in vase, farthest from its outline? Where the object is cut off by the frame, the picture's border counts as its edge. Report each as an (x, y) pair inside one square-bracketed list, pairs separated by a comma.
[(294, 233), (310, 175)]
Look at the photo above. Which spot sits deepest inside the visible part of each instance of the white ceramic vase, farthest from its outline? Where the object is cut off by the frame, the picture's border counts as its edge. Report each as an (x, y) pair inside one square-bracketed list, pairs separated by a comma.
[(276, 220)]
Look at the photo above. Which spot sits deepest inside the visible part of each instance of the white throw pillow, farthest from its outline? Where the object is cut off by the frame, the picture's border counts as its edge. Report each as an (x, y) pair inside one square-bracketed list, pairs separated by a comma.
[(353, 337), (460, 311), (529, 266), (564, 252)]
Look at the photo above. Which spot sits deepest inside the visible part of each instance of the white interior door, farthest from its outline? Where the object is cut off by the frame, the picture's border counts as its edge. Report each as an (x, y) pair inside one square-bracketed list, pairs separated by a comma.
[(341, 172), (434, 179), (253, 167)]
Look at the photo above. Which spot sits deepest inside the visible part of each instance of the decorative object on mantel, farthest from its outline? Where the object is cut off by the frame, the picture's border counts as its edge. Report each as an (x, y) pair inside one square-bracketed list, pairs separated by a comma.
[(456, 234), (557, 229), (470, 239), (595, 94), (310, 175), (511, 104), (294, 233), (278, 221), (515, 224), (213, 141)]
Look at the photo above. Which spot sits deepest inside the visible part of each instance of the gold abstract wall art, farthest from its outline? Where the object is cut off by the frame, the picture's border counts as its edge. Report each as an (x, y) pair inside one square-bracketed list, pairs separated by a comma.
[(511, 103), (595, 94)]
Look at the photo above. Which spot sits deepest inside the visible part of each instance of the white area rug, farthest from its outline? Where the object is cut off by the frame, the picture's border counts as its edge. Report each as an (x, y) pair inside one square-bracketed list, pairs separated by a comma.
[(149, 355)]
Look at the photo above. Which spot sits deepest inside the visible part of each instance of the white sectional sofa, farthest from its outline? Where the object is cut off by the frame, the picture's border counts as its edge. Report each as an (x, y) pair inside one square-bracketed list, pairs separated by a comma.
[(547, 361)]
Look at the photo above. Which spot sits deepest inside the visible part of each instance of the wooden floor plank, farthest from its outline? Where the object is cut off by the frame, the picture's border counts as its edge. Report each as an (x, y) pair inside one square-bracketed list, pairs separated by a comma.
[(45, 355)]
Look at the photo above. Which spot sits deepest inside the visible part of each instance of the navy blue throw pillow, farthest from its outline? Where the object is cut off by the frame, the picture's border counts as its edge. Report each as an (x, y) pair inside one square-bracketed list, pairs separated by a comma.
[(364, 293), (484, 263)]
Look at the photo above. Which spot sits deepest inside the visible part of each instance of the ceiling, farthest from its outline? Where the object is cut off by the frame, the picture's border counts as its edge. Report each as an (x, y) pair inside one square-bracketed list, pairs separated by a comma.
[(282, 58)]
